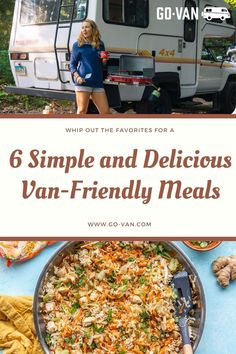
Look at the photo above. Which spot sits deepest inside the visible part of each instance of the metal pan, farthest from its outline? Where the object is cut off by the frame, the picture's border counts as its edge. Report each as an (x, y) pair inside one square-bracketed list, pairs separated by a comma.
[(68, 247)]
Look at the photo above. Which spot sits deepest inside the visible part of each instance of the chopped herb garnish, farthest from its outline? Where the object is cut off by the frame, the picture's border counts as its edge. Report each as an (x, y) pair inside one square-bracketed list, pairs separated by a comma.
[(122, 244), (93, 345), (142, 280), (111, 278), (58, 285), (65, 308), (144, 326), (160, 250), (145, 316), (143, 348), (121, 329), (166, 255), (98, 329), (74, 307), (87, 335), (81, 281), (47, 298), (109, 315), (124, 287), (79, 270), (131, 259), (146, 253), (98, 244), (154, 338), (48, 338), (69, 340)]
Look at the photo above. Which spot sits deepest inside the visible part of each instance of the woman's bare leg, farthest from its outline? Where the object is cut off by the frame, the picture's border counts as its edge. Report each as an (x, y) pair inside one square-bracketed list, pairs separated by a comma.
[(82, 101), (100, 101)]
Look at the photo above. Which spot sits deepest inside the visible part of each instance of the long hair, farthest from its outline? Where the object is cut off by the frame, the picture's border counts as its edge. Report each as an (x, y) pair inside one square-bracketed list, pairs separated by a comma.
[(95, 37)]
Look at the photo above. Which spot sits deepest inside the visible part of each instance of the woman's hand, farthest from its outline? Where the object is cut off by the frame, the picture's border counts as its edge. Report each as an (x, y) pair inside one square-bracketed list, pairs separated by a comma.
[(104, 56), (79, 80)]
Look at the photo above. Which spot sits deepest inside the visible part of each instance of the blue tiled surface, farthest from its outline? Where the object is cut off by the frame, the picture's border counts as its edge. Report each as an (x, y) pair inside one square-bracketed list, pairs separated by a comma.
[(219, 335)]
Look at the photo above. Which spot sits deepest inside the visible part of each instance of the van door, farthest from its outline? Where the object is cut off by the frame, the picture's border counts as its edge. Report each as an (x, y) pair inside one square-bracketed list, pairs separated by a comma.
[(189, 44), (163, 38), (210, 76)]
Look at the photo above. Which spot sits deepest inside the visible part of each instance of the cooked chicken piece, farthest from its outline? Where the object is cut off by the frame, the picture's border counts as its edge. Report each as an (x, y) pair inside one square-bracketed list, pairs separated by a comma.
[(88, 321), (51, 327), (50, 306)]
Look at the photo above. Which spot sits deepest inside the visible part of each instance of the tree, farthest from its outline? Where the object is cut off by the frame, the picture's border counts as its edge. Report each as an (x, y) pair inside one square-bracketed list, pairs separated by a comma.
[(232, 3), (6, 14)]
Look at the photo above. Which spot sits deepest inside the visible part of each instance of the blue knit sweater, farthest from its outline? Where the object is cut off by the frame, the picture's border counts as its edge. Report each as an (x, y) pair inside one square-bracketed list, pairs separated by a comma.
[(85, 60)]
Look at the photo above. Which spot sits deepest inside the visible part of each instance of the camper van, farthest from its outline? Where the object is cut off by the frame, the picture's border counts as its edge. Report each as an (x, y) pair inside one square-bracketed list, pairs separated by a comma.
[(154, 64), (215, 12)]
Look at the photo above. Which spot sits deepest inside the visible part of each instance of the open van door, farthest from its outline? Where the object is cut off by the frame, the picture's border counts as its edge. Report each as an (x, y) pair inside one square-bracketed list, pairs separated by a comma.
[(189, 44)]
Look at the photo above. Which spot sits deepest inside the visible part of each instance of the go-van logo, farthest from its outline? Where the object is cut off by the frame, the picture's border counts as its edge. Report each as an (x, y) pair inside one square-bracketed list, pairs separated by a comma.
[(184, 13)]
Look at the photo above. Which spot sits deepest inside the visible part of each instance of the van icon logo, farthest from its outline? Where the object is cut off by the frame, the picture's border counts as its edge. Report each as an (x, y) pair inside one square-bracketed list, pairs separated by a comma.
[(213, 12)]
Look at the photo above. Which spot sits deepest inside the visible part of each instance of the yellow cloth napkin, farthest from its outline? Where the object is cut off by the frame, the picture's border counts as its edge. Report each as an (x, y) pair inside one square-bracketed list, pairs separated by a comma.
[(17, 333)]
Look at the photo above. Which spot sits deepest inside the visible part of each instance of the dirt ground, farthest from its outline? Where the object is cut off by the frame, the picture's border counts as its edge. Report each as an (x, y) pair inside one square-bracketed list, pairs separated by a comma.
[(40, 106)]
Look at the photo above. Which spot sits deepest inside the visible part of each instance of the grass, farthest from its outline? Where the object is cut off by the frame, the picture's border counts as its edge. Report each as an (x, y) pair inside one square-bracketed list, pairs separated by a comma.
[(12, 103)]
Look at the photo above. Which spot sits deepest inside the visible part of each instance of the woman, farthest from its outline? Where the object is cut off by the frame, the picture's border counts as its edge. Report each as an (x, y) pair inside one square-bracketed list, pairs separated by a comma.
[(86, 68)]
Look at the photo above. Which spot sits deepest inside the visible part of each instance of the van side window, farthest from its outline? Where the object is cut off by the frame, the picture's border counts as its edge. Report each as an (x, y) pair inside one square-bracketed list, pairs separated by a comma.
[(126, 12), (46, 11), (190, 24)]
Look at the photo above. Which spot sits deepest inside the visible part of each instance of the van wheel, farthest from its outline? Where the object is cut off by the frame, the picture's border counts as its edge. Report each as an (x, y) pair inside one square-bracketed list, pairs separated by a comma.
[(228, 98)]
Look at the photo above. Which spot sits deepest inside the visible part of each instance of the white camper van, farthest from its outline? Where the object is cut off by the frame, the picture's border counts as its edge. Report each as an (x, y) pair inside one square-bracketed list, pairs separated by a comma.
[(153, 55), (215, 12)]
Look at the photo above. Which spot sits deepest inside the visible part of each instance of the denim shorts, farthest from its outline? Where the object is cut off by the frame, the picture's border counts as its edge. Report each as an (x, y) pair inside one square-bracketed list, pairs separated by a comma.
[(89, 89)]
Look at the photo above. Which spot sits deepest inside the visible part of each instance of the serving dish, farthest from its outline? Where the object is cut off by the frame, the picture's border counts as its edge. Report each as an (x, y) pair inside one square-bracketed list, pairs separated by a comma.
[(210, 245), (68, 248)]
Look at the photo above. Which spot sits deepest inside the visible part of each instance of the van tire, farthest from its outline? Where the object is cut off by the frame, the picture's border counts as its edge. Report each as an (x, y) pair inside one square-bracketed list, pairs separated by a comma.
[(228, 98)]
